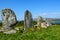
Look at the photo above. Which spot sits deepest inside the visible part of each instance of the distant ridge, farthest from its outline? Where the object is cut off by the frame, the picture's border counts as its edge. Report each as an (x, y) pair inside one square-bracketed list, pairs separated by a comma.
[(0, 21), (54, 19)]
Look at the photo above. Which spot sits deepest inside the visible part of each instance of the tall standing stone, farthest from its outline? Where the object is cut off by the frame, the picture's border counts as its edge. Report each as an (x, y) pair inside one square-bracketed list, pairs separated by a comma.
[(27, 20), (39, 21), (8, 19)]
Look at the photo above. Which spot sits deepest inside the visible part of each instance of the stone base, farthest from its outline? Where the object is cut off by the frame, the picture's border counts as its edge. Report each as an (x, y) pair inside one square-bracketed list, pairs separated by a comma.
[(10, 32)]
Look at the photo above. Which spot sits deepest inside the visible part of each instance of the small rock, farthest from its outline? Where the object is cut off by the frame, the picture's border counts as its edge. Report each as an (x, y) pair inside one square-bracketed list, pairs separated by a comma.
[(16, 28), (44, 25)]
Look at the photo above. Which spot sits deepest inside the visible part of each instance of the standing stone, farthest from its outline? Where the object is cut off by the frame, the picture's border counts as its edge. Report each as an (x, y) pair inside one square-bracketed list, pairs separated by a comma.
[(27, 20), (8, 19), (39, 21)]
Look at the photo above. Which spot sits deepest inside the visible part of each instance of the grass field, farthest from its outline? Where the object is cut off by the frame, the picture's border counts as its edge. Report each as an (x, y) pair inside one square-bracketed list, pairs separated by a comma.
[(51, 33)]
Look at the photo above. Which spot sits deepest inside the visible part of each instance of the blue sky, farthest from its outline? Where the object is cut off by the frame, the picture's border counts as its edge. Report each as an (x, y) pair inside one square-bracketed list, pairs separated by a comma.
[(44, 8)]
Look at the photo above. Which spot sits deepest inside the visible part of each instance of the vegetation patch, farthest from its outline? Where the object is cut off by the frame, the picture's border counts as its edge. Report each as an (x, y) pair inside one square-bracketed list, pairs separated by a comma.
[(51, 33)]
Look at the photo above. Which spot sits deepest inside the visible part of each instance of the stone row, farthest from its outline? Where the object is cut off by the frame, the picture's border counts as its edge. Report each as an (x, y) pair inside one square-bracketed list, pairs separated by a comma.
[(9, 19)]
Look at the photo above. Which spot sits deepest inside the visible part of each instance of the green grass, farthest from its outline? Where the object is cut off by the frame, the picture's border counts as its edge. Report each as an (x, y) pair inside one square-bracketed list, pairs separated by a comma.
[(51, 33)]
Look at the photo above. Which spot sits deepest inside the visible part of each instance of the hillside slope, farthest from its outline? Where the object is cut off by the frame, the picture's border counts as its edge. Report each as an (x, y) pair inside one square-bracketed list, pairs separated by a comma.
[(51, 33)]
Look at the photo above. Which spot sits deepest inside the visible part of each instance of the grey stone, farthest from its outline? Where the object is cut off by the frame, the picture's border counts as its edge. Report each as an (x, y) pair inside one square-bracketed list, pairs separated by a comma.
[(28, 21), (44, 25), (39, 21), (8, 19)]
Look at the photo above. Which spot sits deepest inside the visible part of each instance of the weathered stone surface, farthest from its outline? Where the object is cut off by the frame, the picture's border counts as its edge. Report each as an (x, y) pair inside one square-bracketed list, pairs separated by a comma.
[(8, 19), (27, 20), (39, 21)]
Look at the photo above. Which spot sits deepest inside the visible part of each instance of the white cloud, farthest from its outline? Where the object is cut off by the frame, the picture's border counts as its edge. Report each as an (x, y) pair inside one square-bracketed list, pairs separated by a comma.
[(43, 14), (50, 15)]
